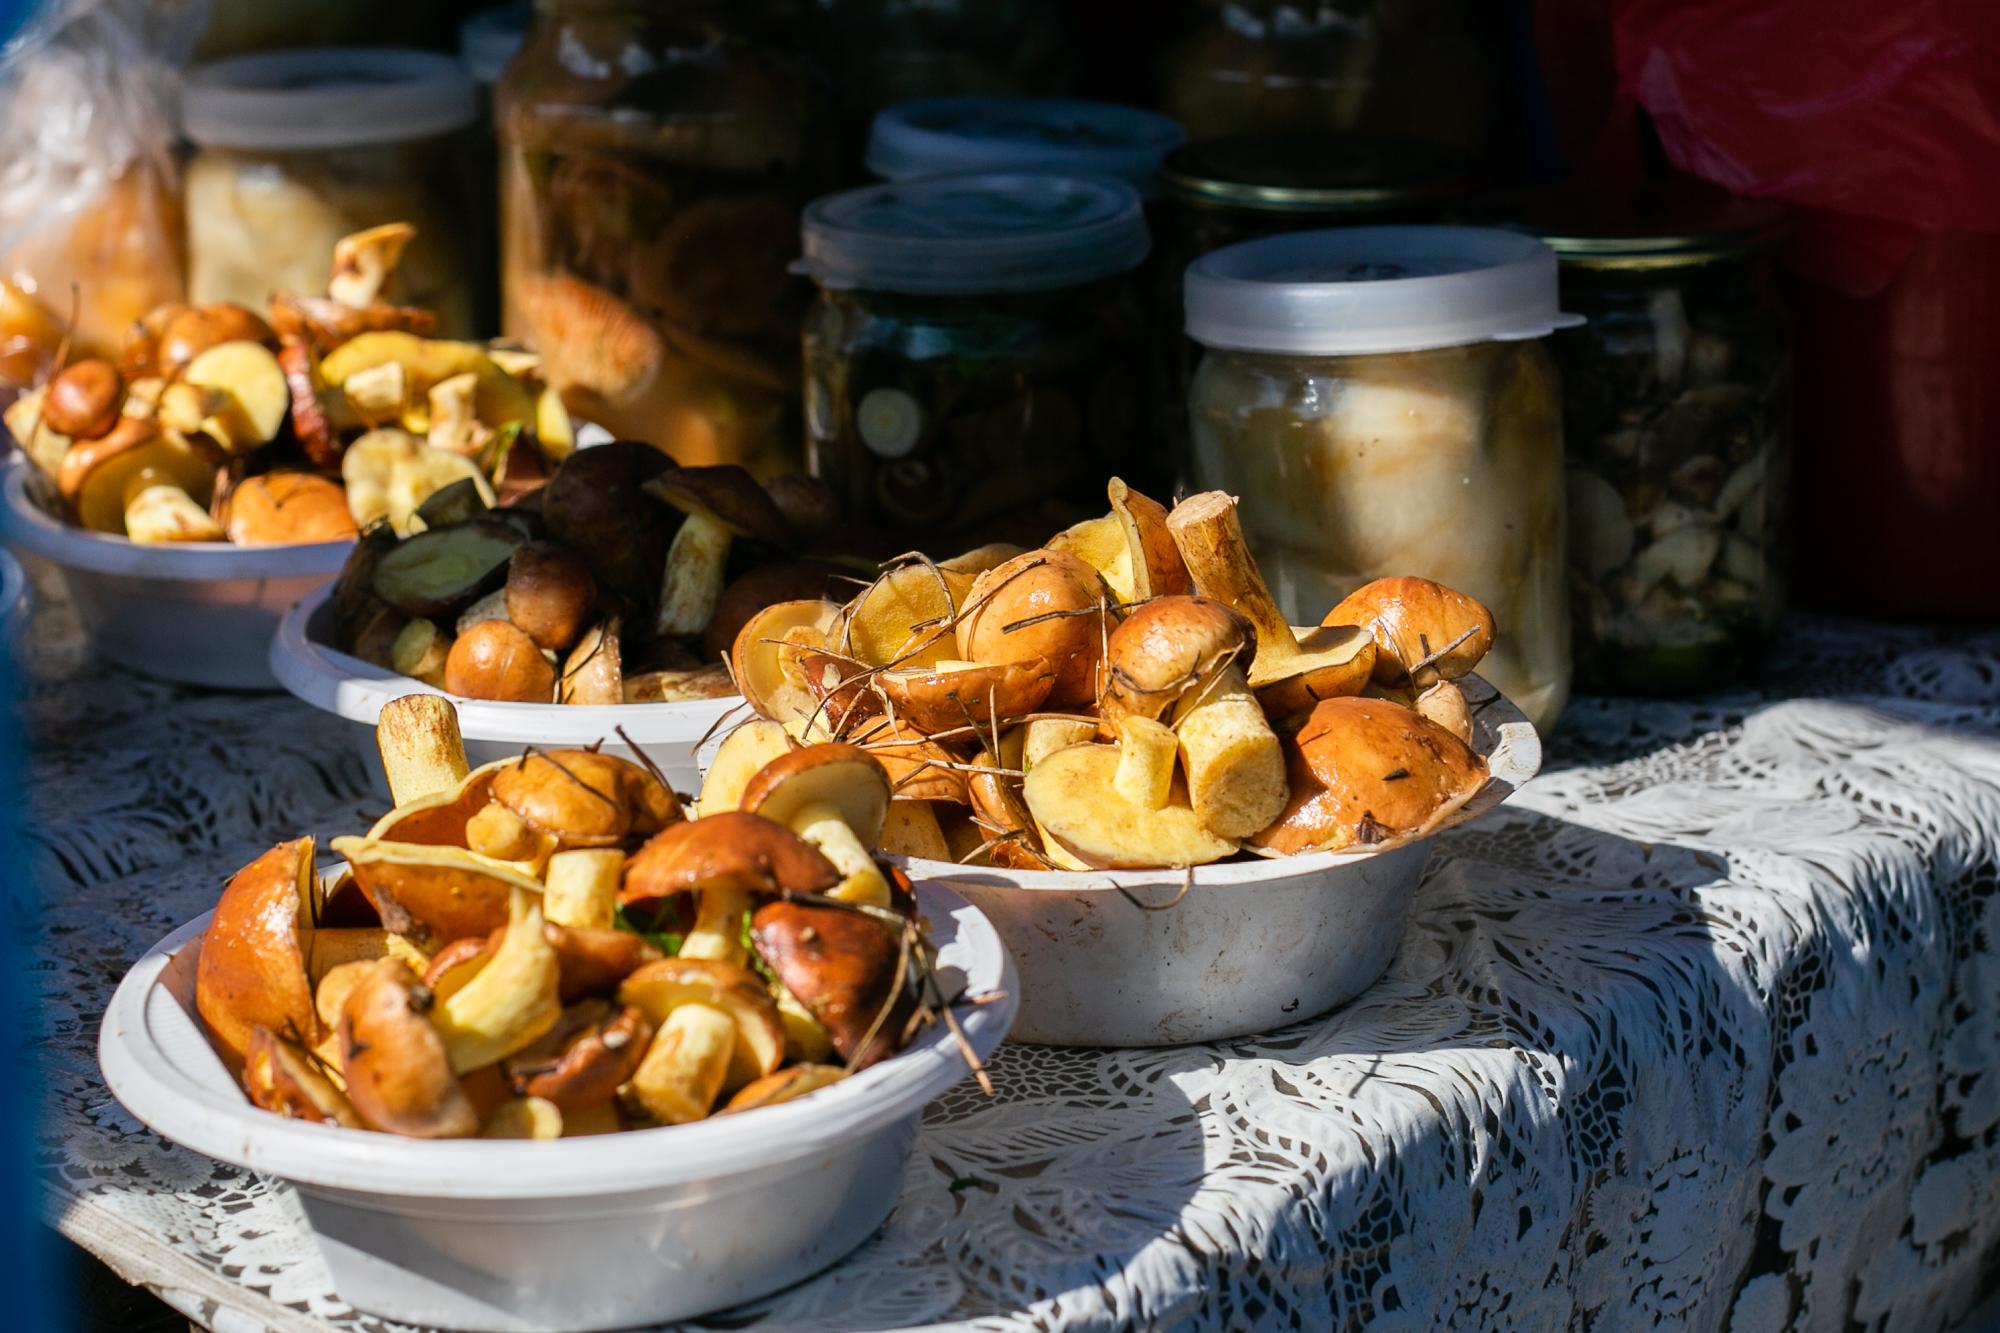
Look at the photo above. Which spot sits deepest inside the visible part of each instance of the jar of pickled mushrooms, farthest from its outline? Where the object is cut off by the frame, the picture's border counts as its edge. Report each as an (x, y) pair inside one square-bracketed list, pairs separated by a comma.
[(1677, 416), (1382, 400)]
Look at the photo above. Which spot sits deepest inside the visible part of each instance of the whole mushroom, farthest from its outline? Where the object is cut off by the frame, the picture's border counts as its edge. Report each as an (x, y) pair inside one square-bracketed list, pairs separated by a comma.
[(722, 503)]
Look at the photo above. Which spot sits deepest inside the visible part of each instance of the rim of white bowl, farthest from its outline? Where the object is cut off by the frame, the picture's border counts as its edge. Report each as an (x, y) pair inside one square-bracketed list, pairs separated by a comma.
[(337, 682), (142, 1072), (25, 524), (1513, 758)]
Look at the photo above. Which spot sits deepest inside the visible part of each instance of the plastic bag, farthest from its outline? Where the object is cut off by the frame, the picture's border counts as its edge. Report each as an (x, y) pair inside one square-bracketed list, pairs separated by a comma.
[(89, 195)]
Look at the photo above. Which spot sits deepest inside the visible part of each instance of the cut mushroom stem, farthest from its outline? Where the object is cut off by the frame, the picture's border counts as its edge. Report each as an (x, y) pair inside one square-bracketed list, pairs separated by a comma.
[(512, 1001), (682, 1073), (422, 751), (1145, 773), (693, 580), (716, 1028), (1235, 765), (1444, 703), (165, 513), (581, 887), (717, 933), (824, 826), (364, 261), (836, 797)]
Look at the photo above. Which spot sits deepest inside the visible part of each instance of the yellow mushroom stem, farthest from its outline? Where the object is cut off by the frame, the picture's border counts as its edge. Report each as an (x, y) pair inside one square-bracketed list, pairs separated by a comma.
[(717, 933), (501, 834), (163, 512), (693, 578), (1145, 773), (512, 1001), (581, 887), (805, 1039), (820, 824), (1234, 763), (682, 1073), (912, 829)]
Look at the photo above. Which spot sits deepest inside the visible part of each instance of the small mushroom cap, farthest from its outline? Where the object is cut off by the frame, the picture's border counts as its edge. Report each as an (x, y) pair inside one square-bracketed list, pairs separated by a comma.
[(583, 798), (935, 700), (727, 494), (1006, 621), (83, 399), (758, 658), (550, 594), (195, 329), (583, 1059), (657, 989), (787, 1085), (1367, 770), (1332, 661), (842, 966), (1168, 647), (1411, 618), (846, 777), (433, 894), (398, 1072), (496, 660), (252, 970), (288, 508), (594, 504), (731, 850)]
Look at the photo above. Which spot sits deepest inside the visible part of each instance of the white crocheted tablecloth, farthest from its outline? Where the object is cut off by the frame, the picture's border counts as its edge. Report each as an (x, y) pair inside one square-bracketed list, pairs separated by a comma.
[(1702, 1031)]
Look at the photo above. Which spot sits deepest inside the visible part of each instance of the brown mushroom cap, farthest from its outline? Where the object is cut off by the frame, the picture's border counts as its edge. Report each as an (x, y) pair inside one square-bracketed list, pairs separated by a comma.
[(1168, 647), (919, 768), (583, 798), (252, 969), (83, 399), (594, 505), (657, 989), (846, 777), (280, 1077), (288, 508), (434, 894), (933, 700), (1040, 604), (727, 494), (1411, 619), (398, 1073), (1365, 770), (592, 961), (731, 850), (580, 1063), (194, 330), (496, 660), (551, 595), (842, 966)]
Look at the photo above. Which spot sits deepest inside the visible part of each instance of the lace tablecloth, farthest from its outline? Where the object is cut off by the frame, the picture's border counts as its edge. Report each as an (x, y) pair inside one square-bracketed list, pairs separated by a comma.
[(1702, 1031)]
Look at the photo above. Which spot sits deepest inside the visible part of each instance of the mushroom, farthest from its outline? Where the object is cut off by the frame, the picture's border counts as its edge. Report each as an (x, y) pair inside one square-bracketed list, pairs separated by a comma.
[(253, 402), (920, 769), (581, 1062), (1366, 770), (728, 858), (1426, 637), (422, 752), (1008, 836), (594, 961), (594, 671), (398, 1071), (788, 1084), (681, 686), (454, 416), (1179, 659), (846, 970), (582, 798), (389, 473), (364, 261), (432, 894), (912, 829), (1289, 673), (513, 998), (287, 508), (550, 594), (740, 757), (716, 1028), (1155, 562), (313, 405), (1044, 604), (524, 1118), (84, 398), (280, 1077), (102, 477), (166, 513), (323, 323), (765, 585), (495, 660), (252, 969), (953, 696), (836, 797), (765, 658), (192, 330), (721, 503), (420, 652), (904, 618), (44, 445), (499, 398), (1079, 812), (580, 887), (595, 505)]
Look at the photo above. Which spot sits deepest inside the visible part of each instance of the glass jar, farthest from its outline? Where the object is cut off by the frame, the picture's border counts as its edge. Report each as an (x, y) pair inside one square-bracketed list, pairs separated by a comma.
[(653, 163), (1422, 69), (945, 135), (1382, 402), (1677, 414), (295, 149), (487, 43), (975, 359)]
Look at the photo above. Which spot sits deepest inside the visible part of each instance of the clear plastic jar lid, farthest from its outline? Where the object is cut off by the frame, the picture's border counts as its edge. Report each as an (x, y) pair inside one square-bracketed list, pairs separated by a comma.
[(1374, 289), (339, 97), (489, 39), (967, 235), (941, 135)]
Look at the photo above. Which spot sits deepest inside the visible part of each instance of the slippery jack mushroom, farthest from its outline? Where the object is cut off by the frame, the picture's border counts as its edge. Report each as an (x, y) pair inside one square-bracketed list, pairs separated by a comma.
[(580, 1064), (1041, 604), (287, 508), (722, 503), (716, 1029), (137, 482), (1178, 660), (397, 1067), (845, 969), (726, 858), (836, 797), (1426, 637), (1290, 672), (1087, 825), (252, 969), (562, 799), (512, 998)]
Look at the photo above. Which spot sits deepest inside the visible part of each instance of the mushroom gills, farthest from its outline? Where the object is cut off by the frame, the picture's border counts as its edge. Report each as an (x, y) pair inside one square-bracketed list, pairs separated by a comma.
[(693, 578), (513, 999), (684, 1068)]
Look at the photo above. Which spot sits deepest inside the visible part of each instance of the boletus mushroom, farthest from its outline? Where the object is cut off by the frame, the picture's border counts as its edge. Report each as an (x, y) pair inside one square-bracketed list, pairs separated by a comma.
[(722, 503), (252, 969), (396, 1065), (1041, 604), (280, 1076), (845, 968), (577, 798), (716, 1028), (836, 797), (287, 508), (728, 859), (1087, 824), (1426, 637), (582, 1062)]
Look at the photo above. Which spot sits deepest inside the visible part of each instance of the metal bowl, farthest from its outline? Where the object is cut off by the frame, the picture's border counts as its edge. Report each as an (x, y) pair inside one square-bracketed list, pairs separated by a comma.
[(1146, 958)]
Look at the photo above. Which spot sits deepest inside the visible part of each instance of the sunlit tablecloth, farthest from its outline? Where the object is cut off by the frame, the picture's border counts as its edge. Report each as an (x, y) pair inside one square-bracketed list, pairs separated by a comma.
[(1702, 1031)]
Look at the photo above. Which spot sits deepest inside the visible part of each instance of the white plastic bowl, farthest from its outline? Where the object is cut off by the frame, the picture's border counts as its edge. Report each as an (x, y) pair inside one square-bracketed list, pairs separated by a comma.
[(304, 663), (592, 1233), (201, 613), (1252, 946)]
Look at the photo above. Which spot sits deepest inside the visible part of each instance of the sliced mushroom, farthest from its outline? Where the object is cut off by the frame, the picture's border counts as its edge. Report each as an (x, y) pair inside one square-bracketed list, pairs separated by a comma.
[(594, 672), (716, 1028), (1155, 562), (432, 894), (739, 758), (1044, 604), (252, 969), (166, 513), (787, 1085), (398, 1070), (904, 618), (389, 474), (364, 261), (280, 1077), (722, 503), (1423, 631), (1071, 796), (846, 969), (1289, 674), (836, 797), (512, 1000), (581, 1063)]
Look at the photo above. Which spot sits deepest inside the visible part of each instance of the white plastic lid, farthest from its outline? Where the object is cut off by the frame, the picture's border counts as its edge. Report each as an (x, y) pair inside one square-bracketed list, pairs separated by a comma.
[(339, 97), (963, 235), (1374, 289), (948, 135), (489, 39)]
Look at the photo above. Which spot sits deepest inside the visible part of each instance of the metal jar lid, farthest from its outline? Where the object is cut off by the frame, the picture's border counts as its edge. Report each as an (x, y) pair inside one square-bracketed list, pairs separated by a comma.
[(1659, 224), (1330, 175)]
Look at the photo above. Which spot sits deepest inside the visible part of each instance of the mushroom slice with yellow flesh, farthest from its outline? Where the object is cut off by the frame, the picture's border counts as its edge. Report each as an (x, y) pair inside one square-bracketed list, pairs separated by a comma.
[(722, 503), (836, 798), (716, 1029), (765, 657), (1071, 796), (512, 1000), (499, 398), (582, 1062), (101, 478), (252, 968), (1367, 771), (1289, 673), (739, 758), (397, 1068), (1424, 632), (254, 400), (727, 858), (280, 1077), (846, 970), (903, 618), (966, 697), (432, 894), (1156, 564), (787, 1085), (364, 261), (1100, 543), (1178, 659), (580, 887), (912, 829)]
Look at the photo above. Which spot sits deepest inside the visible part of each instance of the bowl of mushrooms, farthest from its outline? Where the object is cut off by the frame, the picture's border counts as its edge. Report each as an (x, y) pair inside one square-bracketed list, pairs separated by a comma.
[(596, 605), (1189, 819), (545, 1053), (222, 466)]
